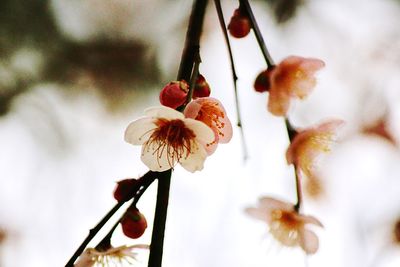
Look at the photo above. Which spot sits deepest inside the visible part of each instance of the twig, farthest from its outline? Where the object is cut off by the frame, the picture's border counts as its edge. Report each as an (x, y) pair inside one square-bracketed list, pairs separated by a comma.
[(234, 75), (148, 178), (291, 134), (157, 238), (188, 59), (268, 59), (195, 74)]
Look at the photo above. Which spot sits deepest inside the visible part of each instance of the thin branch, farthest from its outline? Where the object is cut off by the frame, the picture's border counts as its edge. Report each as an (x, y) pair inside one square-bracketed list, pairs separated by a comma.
[(195, 74), (149, 177), (246, 6), (157, 238), (291, 134), (186, 67), (234, 75)]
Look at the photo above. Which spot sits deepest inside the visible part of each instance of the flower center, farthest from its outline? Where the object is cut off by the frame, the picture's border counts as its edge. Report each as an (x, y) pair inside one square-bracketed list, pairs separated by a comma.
[(285, 227), (286, 219), (173, 138), (210, 113)]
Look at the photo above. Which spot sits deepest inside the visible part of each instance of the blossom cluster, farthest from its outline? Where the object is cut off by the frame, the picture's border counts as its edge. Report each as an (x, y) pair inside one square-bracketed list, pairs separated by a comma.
[(169, 137)]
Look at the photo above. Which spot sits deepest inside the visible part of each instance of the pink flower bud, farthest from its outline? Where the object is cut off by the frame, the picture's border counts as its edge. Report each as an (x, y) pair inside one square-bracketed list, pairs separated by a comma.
[(133, 223), (174, 94), (201, 88), (240, 25), (125, 189)]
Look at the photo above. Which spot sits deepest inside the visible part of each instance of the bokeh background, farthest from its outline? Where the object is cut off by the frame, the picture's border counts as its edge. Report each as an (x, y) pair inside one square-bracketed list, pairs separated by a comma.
[(73, 74)]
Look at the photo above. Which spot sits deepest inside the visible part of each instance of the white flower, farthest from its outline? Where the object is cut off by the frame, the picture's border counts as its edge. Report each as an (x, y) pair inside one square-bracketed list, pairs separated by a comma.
[(286, 225), (167, 137), (111, 257)]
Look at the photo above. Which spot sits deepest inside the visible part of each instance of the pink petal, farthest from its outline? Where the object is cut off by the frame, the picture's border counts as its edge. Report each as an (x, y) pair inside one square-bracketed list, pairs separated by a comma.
[(192, 109), (278, 102), (269, 204), (311, 219), (309, 241), (258, 214)]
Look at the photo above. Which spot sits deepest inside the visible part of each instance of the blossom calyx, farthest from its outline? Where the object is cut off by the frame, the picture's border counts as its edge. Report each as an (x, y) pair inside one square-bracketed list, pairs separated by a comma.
[(239, 25), (133, 223), (174, 94), (125, 189)]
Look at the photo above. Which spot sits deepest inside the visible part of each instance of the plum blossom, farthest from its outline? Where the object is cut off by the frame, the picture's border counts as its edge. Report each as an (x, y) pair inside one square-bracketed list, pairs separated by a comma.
[(308, 144), (211, 112), (286, 225), (110, 257), (168, 138), (292, 78)]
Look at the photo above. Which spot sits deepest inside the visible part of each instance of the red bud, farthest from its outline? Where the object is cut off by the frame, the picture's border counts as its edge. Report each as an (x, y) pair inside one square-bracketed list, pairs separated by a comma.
[(201, 88), (125, 189), (133, 223), (174, 94), (240, 25), (262, 82)]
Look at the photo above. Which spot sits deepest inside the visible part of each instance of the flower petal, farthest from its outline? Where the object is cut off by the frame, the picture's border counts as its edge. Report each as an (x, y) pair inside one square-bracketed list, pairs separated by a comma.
[(192, 109), (163, 112), (85, 259), (195, 160), (258, 214), (203, 133), (226, 130), (278, 102), (211, 147), (311, 219), (309, 241), (269, 204), (139, 131), (156, 158)]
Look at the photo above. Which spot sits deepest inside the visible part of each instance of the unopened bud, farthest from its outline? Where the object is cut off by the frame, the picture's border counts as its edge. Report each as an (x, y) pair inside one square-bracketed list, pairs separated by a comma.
[(240, 25), (133, 223), (174, 94), (201, 88), (125, 189), (263, 81)]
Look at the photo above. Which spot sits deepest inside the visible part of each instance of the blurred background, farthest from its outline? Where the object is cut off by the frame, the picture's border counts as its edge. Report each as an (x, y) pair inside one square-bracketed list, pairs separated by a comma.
[(73, 74)]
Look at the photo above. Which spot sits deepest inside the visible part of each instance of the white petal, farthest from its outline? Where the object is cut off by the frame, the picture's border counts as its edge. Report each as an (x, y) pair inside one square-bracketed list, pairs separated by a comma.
[(258, 214), (164, 112), (195, 160), (203, 133), (156, 158), (139, 131), (269, 203), (309, 242), (311, 219)]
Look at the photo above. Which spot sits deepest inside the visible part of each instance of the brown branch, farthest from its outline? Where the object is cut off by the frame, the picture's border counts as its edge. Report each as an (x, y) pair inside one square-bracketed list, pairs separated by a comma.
[(190, 56)]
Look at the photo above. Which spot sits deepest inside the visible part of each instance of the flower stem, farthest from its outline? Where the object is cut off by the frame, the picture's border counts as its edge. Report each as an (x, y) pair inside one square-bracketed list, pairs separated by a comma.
[(195, 74), (245, 5), (148, 178), (190, 56), (291, 134), (234, 75)]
